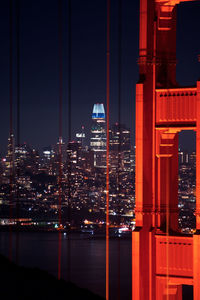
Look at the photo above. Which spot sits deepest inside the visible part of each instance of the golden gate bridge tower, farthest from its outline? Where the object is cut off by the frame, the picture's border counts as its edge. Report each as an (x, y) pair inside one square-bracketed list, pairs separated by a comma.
[(163, 259)]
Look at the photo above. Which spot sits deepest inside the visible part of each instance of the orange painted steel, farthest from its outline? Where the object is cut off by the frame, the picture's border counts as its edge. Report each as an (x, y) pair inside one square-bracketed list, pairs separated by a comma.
[(163, 259), (175, 106)]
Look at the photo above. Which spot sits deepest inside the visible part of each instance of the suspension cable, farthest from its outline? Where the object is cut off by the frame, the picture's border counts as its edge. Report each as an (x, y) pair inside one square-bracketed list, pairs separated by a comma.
[(11, 141), (60, 136), (119, 128), (107, 145), (69, 139), (18, 123)]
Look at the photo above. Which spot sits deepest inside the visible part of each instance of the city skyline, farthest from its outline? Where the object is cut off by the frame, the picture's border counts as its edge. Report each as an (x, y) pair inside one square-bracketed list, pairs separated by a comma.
[(35, 182), (183, 146), (39, 64)]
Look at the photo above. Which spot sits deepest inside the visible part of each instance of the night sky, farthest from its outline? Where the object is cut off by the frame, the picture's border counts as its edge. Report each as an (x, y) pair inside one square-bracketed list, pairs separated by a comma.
[(39, 66)]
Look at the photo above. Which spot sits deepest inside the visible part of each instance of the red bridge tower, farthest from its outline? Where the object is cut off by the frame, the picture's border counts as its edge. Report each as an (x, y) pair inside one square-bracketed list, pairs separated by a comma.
[(163, 258)]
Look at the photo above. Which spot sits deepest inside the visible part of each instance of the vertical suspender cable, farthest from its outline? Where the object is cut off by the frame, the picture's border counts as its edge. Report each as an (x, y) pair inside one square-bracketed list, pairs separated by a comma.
[(154, 119), (167, 228), (11, 146), (167, 212), (69, 138), (167, 201), (60, 136), (119, 128), (153, 150), (107, 145), (18, 121)]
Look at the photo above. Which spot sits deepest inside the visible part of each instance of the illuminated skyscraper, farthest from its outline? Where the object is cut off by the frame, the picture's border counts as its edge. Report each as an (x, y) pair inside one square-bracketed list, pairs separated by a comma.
[(80, 137), (98, 135), (10, 157), (120, 147), (120, 138)]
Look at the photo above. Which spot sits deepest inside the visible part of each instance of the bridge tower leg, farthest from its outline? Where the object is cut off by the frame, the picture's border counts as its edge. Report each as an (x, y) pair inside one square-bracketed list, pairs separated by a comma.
[(196, 237), (156, 180)]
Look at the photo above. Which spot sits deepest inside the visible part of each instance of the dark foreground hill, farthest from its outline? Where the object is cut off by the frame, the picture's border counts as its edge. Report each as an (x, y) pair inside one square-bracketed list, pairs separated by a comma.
[(22, 283)]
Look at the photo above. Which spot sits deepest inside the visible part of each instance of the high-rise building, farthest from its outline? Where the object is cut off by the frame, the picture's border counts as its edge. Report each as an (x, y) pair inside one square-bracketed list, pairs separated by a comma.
[(192, 159), (10, 157), (80, 136), (73, 152), (119, 137), (120, 147), (98, 135), (26, 159)]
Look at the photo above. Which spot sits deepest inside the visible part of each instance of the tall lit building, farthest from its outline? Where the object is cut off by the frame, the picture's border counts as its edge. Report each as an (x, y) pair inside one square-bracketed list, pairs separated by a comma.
[(80, 137), (120, 147), (98, 135), (10, 157), (119, 137)]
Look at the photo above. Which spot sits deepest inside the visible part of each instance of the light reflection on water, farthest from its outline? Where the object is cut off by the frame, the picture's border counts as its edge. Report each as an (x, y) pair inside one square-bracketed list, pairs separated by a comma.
[(87, 259)]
